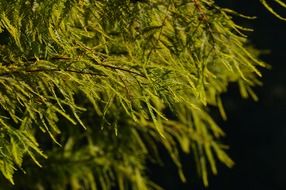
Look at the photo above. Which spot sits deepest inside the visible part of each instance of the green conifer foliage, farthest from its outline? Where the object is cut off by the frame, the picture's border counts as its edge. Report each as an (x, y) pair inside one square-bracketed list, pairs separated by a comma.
[(90, 88)]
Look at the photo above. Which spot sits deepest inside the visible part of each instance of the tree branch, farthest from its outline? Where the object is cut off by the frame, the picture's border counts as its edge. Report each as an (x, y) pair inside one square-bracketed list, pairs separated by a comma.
[(51, 70), (69, 70)]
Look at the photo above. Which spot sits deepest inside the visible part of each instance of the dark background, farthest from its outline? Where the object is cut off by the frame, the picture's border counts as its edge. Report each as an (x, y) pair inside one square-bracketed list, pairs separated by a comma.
[(256, 131)]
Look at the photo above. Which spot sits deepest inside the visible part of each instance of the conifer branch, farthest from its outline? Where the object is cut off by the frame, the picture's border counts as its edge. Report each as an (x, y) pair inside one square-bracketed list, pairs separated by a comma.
[(193, 53)]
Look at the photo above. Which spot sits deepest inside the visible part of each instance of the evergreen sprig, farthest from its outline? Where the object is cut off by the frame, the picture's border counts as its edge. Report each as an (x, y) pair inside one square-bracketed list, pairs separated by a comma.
[(90, 89)]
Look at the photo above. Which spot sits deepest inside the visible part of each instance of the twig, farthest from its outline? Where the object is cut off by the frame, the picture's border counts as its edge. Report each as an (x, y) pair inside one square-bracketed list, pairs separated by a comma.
[(69, 70), (51, 70), (122, 69)]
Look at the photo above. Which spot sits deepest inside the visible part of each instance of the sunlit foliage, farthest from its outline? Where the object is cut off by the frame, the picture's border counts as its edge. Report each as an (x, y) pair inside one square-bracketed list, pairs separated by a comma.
[(90, 88)]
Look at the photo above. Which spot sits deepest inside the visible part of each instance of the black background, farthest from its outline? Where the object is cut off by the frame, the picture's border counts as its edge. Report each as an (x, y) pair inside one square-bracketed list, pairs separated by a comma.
[(256, 131)]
